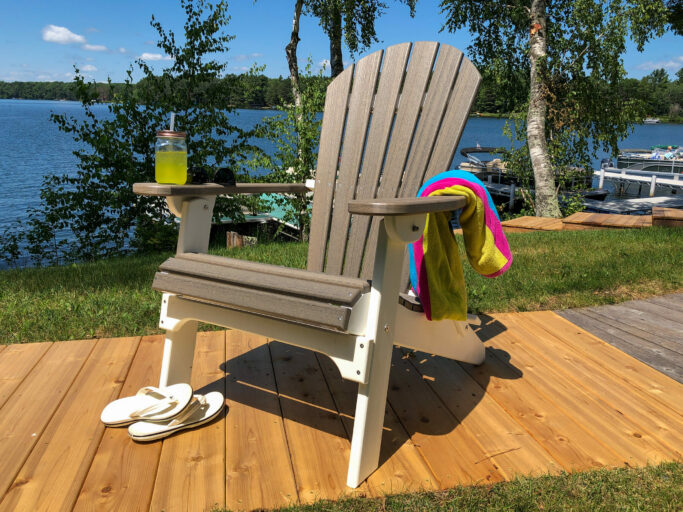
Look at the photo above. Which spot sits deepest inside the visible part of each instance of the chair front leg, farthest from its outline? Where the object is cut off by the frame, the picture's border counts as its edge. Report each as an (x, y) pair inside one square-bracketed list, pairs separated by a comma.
[(181, 337), (372, 397)]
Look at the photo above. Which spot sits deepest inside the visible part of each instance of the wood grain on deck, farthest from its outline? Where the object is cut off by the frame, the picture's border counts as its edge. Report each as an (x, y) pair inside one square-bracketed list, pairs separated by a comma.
[(550, 397), (651, 330)]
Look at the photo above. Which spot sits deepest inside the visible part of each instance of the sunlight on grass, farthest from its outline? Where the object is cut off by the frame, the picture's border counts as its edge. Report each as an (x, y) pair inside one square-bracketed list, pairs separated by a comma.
[(551, 270)]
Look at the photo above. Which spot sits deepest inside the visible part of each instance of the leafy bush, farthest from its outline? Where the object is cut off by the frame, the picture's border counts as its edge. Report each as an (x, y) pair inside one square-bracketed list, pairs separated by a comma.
[(96, 205)]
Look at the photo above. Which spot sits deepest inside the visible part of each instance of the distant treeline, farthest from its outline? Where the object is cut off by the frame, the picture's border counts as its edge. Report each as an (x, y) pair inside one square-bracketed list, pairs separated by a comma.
[(241, 91), (660, 94)]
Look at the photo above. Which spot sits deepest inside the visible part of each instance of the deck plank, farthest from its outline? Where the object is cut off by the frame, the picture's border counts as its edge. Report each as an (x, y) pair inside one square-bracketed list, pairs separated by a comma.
[(402, 467), (16, 361), (653, 310), (52, 476), (614, 320), (628, 316), (672, 301), (511, 447), (25, 416), (650, 353), (114, 481), (552, 426), (549, 396), (656, 419), (318, 446), (191, 473), (650, 381), (256, 445), (435, 431), (609, 417)]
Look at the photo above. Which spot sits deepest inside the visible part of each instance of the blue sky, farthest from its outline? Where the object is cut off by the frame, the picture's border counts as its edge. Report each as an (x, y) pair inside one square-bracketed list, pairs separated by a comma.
[(42, 40)]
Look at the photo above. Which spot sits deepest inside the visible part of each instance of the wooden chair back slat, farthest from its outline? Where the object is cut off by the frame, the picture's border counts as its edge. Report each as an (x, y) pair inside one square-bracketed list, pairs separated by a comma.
[(448, 138), (403, 126), (336, 102), (435, 103), (414, 88), (384, 112), (357, 122)]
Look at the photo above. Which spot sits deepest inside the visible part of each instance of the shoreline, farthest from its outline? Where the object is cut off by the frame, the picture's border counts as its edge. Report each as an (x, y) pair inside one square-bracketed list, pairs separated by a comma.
[(486, 115)]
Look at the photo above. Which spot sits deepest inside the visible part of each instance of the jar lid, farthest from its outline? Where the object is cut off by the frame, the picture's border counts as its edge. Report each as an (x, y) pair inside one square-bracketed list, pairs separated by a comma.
[(170, 133)]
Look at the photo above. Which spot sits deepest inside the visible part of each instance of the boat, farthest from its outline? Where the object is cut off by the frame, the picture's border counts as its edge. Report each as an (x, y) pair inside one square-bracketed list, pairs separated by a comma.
[(651, 120), (502, 185), (661, 158)]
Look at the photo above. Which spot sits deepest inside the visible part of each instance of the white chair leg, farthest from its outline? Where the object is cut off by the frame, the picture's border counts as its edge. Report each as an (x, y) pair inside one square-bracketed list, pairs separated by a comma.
[(176, 365), (372, 397), (446, 338), (369, 418)]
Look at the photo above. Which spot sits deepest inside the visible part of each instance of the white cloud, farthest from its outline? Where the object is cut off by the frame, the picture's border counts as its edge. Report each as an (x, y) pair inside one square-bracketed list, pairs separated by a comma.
[(673, 64), (92, 29), (246, 56), (88, 67), (155, 56), (122, 50), (61, 35), (94, 47), (325, 63)]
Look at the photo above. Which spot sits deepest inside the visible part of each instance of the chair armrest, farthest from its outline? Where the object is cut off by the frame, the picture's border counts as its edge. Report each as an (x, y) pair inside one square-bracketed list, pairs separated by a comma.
[(216, 189), (406, 205)]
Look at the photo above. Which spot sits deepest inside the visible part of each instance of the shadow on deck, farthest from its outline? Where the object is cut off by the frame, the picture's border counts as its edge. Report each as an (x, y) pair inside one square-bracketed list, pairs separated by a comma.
[(549, 397)]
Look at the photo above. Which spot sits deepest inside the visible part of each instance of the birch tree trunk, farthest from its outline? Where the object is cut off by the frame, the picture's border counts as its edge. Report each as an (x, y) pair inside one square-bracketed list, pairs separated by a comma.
[(336, 60), (290, 50), (546, 196)]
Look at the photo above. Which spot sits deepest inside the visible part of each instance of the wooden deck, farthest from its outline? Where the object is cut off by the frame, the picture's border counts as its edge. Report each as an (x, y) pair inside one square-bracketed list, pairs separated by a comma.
[(550, 397), (650, 330)]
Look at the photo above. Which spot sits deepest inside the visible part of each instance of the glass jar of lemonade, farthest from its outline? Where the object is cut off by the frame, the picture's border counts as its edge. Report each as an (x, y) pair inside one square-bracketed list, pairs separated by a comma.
[(171, 158)]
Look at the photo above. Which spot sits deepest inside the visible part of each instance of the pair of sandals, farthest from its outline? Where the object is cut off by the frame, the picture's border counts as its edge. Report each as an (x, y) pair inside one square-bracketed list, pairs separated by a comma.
[(154, 413)]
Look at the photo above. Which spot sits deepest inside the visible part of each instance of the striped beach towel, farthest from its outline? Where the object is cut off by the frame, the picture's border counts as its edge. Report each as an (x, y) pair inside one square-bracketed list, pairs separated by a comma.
[(436, 272)]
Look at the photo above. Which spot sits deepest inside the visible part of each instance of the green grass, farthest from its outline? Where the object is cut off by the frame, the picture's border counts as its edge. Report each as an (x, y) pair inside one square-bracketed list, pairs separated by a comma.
[(568, 269), (551, 270), (653, 488)]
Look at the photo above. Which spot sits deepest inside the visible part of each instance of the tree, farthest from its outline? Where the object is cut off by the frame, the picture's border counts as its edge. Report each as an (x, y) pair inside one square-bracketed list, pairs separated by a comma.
[(676, 15), (571, 51), (352, 19), (290, 51), (96, 203), (294, 134)]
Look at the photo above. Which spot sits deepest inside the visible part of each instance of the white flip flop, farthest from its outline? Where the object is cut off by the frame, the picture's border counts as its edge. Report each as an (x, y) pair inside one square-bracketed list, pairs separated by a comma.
[(149, 404), (202, 409)]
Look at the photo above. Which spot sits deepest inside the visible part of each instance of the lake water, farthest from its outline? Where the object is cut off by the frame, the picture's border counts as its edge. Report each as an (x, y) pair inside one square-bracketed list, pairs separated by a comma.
[(32, 147)]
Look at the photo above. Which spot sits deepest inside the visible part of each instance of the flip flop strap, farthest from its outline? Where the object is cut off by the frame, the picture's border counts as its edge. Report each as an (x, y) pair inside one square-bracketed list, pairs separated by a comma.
[(198, 401), (155, 407)]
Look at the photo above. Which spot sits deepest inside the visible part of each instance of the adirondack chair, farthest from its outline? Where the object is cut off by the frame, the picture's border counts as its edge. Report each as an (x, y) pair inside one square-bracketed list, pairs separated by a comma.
[(391, 121)]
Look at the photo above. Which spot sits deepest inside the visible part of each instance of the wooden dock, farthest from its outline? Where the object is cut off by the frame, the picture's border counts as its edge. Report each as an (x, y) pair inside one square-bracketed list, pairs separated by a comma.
[(550, 397), (639, 205), (668, 217), (528, 223), (586, 220), (651, 179), (650, 330)]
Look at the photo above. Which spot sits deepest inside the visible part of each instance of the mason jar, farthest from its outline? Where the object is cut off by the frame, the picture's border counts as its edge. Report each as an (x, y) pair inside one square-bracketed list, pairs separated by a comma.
[(170, 162)]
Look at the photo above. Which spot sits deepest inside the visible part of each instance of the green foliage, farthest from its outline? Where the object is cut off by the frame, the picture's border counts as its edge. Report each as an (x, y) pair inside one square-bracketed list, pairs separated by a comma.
[(358, 17), (582, 75), (113, 297), (97, 204), (295, 133)]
